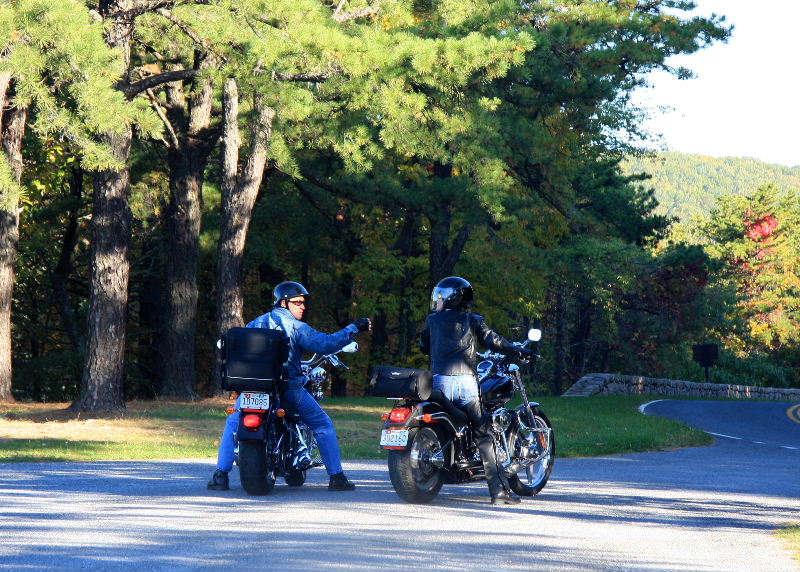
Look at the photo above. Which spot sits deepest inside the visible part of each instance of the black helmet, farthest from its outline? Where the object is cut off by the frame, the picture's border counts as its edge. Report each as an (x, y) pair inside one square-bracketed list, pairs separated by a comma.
[(286, 290), (451, 293)]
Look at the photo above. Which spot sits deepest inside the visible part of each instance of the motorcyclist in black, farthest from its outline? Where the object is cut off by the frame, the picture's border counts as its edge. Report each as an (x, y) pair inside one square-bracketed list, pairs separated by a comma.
[(450, 337)]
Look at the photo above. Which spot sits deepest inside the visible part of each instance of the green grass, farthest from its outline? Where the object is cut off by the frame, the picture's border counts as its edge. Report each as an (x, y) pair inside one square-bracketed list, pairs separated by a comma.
[(35, 450), (607, 425), (790, 536), (584, 427)]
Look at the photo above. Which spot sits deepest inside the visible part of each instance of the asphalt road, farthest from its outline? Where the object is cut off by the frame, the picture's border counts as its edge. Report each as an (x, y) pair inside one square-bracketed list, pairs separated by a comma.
[(704, 509)]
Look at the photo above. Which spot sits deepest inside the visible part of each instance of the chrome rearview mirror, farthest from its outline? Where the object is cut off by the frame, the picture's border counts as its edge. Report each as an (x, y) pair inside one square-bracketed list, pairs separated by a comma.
[(350, 348), (534, 334)]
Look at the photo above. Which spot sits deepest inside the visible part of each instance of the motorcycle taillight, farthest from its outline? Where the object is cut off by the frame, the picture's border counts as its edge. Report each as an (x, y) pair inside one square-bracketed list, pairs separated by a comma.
[(251, 421), (399, 414)]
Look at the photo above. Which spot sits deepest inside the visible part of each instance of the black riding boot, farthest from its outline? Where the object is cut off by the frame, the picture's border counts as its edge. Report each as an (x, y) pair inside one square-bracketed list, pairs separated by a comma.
[(339, 482), (499, 488), (219, 481)]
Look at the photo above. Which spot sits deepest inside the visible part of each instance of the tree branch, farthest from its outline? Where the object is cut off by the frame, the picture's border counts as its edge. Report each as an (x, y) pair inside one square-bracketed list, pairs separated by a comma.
[(312, 77), (143, 7), (160, 112), (340, 17), (191, 33), (131, 90)]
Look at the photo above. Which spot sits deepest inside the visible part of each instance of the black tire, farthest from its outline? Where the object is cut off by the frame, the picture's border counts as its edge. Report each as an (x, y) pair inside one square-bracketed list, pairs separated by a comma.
[(255, 470), (415, 479), (529, 481), (295, 478)]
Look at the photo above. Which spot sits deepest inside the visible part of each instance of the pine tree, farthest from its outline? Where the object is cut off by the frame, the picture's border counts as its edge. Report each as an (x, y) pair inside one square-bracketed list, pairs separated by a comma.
[(57, 77)]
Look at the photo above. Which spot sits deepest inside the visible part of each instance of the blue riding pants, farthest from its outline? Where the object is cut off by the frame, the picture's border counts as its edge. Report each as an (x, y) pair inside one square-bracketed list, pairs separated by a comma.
[(460, 389), (312, 415)]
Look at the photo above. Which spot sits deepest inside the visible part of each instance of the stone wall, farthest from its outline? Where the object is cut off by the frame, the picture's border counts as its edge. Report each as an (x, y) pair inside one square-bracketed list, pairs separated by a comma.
[(615, 384)]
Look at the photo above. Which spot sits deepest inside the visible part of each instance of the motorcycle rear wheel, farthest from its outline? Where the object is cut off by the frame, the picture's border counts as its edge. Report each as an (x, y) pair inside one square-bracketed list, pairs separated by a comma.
[(532, 479), (255, 469), (414, 477)]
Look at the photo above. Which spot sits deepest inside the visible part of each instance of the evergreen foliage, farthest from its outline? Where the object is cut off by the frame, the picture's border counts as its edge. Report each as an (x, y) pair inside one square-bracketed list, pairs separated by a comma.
[(407, 141), (63, 68)]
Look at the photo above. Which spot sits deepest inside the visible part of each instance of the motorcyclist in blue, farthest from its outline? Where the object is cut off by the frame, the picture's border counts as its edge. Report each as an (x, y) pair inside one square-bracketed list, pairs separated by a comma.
[(288, 308), (450, 337)]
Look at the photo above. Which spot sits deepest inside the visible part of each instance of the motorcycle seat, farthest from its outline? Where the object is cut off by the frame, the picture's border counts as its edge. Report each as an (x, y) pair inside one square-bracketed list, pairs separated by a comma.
[(459, 417)]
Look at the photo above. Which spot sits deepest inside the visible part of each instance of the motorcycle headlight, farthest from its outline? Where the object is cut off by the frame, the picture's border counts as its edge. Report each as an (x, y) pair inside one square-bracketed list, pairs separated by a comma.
[(501, 419)]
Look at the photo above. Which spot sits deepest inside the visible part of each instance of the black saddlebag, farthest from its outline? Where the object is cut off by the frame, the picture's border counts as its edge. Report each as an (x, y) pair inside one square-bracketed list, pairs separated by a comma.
[(401, 383), (253, 359)]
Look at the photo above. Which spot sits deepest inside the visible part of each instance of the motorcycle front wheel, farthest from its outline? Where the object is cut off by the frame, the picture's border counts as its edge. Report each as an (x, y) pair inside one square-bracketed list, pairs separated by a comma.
[(415, 477), (295, 478), (255, 468), (523, 443)]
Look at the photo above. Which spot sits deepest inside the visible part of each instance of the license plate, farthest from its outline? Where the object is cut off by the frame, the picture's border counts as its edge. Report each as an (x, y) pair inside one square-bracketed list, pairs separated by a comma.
[(394, 437), (257, 401)]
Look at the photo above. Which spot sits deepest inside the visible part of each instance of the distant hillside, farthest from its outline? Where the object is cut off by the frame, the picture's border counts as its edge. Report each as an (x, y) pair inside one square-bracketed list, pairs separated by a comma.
[(686, 183)]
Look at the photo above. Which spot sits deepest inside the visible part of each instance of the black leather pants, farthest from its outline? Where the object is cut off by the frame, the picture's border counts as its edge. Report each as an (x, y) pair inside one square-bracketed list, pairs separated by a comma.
[(486, 445)]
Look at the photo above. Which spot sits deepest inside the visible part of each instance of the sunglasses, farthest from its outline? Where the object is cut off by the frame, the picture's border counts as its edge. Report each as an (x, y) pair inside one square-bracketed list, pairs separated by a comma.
[(298, 303)]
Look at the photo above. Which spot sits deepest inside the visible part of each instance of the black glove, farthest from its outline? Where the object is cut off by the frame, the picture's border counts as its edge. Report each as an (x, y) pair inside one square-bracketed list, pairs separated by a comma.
[(363, 324), (523, 354)]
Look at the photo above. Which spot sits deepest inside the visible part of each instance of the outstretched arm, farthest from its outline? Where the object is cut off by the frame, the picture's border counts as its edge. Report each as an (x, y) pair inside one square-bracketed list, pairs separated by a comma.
[(318, 342)]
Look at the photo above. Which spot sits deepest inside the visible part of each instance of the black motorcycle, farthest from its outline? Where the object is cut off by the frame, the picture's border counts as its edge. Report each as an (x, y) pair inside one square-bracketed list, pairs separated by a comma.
[(430, 442), (272, 441)]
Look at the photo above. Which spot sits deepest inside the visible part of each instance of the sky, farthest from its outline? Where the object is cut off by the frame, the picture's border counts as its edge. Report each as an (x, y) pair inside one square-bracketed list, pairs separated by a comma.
[(745, 98)]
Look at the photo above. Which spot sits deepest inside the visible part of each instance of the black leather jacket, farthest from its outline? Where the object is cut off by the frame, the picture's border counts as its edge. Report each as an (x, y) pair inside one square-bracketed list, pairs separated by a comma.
[(450, 338)]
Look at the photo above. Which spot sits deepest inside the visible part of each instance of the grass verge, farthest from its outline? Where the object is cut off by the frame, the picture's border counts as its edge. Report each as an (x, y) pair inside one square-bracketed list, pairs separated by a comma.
[(790, 536), (584, 427)]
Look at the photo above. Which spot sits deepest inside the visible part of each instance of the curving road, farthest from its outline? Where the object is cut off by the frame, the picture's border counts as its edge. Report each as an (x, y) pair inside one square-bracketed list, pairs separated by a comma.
[(704, 509)]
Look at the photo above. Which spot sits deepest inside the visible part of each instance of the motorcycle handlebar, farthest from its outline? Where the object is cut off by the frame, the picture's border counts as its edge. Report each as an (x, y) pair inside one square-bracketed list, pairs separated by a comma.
[(316, 360), (495, 356)]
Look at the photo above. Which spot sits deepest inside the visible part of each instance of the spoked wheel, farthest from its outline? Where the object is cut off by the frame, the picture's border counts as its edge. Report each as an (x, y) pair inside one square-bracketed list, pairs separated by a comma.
[(415, 476), (313, 447), (255, 469), (531, 442), (297, 477)]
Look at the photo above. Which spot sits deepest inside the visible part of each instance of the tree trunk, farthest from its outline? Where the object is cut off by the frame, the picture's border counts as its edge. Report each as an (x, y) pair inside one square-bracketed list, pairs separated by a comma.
[(407, 330), (188, 157), (182, 244), (12, 128), (150, 298), (59, 276), (580, 338), (443, 255), (239, 191), (102, 382), (556, 384)]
